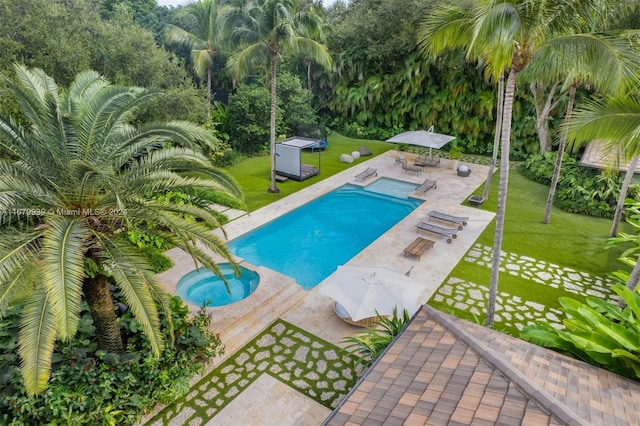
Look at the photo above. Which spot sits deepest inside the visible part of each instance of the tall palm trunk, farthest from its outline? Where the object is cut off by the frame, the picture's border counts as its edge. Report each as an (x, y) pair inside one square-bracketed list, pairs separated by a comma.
[(632, 282), (502, 192), (209, 73), (96, 291), (623, 195), (496, 137), (561, 147), (272, 131)]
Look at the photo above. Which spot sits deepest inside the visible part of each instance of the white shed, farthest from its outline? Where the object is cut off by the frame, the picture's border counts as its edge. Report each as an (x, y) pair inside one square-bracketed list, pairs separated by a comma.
[(289, 158)]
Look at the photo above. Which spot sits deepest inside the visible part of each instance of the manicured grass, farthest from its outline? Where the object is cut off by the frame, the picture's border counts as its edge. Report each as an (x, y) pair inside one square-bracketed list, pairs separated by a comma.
[(571, 240), (253, 174)]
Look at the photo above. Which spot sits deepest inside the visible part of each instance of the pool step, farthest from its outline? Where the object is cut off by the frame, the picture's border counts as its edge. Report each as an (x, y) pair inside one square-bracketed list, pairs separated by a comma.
[(240, 322)]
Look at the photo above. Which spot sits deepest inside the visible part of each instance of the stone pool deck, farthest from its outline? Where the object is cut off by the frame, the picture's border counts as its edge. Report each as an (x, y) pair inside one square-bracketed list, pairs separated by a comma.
[(266, 400)]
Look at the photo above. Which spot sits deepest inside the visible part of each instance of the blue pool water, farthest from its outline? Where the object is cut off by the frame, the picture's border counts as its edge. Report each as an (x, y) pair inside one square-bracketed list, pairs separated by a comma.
[(203, 287), (309, 243)]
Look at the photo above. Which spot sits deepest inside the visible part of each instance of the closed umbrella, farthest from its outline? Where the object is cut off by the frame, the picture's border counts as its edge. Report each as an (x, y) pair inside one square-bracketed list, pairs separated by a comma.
[(426, 138), (363, 290)]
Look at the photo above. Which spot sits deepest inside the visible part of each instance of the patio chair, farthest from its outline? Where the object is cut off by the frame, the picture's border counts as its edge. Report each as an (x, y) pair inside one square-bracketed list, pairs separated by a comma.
[(461, 221), (427, 161), (400, 159), (445, 232), (426, 185), (367, 173)]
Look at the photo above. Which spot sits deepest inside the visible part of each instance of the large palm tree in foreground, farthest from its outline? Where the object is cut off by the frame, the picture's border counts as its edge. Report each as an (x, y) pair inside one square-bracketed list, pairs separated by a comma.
[(503, 35), (77, 177), (267, 30)]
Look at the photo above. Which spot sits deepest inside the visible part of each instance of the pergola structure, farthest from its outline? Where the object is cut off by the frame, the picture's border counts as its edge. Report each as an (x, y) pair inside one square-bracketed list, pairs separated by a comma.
[(289, 158)]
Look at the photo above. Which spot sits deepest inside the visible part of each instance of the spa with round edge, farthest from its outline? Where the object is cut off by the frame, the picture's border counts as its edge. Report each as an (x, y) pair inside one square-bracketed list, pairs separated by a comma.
[(203, 287)]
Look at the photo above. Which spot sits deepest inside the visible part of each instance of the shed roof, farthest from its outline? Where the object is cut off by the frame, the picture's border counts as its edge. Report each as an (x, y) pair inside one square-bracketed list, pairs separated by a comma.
[(299, 142)]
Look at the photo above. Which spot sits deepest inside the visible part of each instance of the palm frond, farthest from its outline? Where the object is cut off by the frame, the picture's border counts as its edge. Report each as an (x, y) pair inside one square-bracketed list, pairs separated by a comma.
[(36, 342), (16, 250), (616, 120), (85, 86), (63, 253), (606, 62), (446, 27), (135, 142)]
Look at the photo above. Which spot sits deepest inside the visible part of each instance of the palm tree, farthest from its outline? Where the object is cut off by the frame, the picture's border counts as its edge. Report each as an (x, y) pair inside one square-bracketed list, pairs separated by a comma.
[(503, 35), (606, 63), (265, 31), (547, 86), (204, 41), (617, 122), (84, 177), (496, 138)]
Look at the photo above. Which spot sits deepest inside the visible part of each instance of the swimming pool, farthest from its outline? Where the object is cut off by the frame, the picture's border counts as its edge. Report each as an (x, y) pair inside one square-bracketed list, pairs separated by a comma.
[(309, 242), (203, 287)]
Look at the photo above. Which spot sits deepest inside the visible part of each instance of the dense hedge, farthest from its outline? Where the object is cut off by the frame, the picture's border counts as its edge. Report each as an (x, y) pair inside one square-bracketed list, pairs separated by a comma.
[(91, 387), (582, 190)]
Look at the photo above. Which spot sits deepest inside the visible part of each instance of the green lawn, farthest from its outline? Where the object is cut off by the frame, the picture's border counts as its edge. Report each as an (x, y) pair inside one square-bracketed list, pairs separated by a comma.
[(569, 243), (253, 174)]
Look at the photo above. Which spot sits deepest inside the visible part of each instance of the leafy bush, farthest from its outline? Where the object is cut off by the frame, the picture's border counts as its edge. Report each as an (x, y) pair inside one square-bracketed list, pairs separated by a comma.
[(249, 117), (539, 167), (90, 387), (372, 343), (597, 332), (580, 190)]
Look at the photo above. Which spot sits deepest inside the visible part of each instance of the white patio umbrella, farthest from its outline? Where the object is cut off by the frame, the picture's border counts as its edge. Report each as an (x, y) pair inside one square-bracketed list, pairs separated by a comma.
[(426, 138), (363, 290)]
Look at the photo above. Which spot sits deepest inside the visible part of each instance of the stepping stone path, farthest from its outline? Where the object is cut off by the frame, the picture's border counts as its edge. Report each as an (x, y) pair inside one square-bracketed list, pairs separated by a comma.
[(513, 311), (312, 366)]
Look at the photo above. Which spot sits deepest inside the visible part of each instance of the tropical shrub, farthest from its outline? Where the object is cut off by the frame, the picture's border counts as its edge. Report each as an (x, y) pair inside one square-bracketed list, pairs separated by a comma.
[(369, 345), (248, 126), (295, 102), (597, 332), (90, 387), (580, 189)]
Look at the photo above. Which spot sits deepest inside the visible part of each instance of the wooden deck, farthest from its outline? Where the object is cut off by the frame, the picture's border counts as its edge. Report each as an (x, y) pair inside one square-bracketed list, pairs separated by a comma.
[(418, 246)]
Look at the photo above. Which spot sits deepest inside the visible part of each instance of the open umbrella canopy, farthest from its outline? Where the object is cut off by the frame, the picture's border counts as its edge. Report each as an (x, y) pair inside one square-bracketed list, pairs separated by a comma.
[(426, 138), (363, 290)]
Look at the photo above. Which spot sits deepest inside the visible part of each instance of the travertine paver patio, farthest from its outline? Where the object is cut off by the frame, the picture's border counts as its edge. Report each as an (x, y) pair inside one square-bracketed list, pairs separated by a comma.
[(311, 366)]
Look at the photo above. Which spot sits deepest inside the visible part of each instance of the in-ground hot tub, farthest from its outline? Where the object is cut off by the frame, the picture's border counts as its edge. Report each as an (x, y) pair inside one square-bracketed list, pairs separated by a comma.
[(203, 287)]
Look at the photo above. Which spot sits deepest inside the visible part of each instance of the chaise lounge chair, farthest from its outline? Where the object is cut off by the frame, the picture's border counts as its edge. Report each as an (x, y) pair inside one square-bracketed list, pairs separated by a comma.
[(461, 221), (445, 232), (427, 185), (369, 172)]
